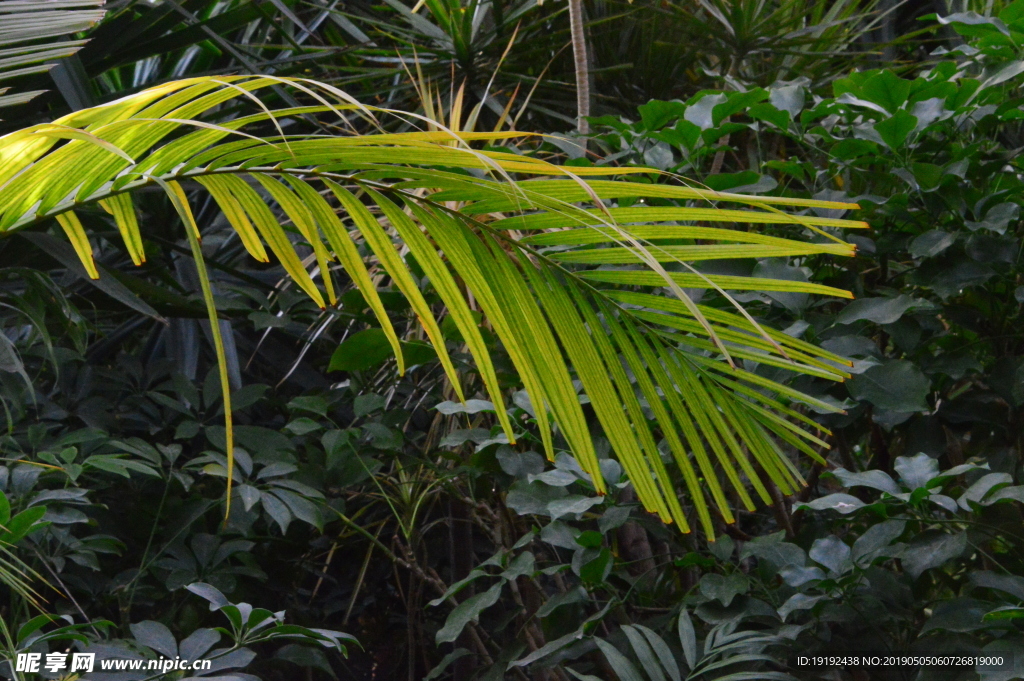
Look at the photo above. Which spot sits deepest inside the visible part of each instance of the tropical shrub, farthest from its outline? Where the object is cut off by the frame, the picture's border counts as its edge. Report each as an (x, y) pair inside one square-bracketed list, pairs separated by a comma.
[(483, 533), (936, 277)]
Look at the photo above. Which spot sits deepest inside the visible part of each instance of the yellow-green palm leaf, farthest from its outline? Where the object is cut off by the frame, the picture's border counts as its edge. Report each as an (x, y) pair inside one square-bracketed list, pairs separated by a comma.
[(580, 291)]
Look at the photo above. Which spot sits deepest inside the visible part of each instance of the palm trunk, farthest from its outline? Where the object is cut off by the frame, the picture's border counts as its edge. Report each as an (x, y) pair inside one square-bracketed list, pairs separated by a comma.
[(579, 55)]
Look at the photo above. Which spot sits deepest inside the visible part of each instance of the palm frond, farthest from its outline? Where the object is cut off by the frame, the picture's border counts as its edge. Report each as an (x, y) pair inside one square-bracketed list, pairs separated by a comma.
[(576, 287), (18, 576), (32, 37)]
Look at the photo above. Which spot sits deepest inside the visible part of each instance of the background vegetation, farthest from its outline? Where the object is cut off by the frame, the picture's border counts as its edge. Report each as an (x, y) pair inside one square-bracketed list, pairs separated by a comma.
[(377, 504)]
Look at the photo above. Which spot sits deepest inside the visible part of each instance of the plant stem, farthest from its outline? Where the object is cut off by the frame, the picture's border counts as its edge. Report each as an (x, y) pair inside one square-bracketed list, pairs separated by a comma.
[(579, 55)]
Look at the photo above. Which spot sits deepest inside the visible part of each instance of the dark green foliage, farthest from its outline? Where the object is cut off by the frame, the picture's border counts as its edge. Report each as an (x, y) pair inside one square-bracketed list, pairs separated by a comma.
[(377, 505)]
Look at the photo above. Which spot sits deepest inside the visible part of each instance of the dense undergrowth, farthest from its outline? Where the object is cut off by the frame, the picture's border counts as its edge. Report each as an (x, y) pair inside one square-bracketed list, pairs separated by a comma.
[(379, 505)]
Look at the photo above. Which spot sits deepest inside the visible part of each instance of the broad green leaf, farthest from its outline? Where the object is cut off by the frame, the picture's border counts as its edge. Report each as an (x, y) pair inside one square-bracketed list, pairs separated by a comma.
[(1006, 612), (21, 524), (644, 653), (886, 89), (982, 487), (360, 351), (877, 310), (1010, 584), (916, 471), (620, 664), (875, 539), (467, 611), (931, 243), (661, 649), (277, 510), (156, 636), (441, 667), (771, 548), (844, 503), (931, 549), (798, 601), (833, 553), (897, 385), (724, 588), (688, 639), (874, 479), (895, 130)]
